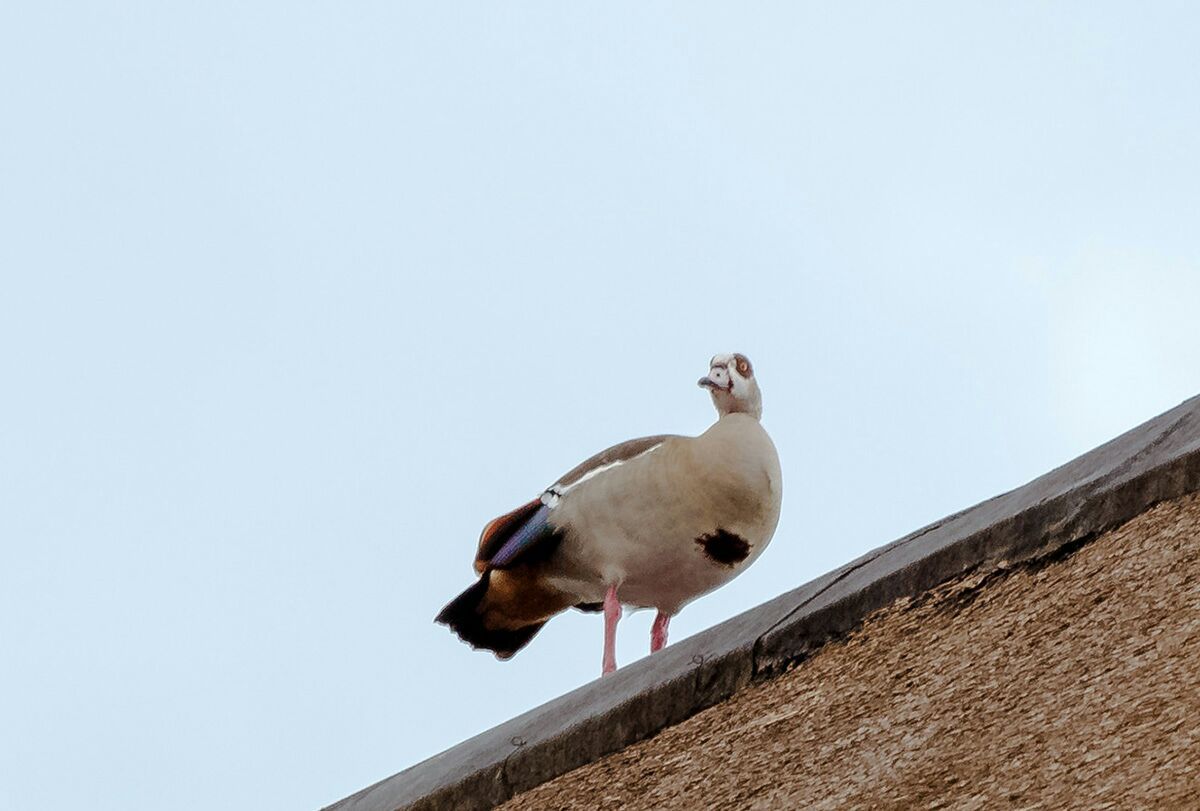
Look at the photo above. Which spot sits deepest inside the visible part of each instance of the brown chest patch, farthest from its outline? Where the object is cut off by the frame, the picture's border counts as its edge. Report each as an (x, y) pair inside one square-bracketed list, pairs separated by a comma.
[(724, 547)]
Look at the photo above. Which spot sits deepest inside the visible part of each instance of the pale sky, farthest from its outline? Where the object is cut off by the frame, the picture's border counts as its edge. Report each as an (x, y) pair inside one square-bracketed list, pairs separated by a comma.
[(296, 297)]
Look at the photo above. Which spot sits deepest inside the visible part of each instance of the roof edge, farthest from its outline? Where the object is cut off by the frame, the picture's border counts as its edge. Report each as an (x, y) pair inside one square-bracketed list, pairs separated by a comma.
[(1157, 461)]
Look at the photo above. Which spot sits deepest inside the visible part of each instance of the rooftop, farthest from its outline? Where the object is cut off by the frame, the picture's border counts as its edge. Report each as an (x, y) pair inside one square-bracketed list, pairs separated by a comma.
[(1056, 612), (1069, 682)]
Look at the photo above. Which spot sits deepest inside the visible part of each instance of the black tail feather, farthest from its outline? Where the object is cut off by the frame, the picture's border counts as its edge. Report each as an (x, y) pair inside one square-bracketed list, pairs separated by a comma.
[(463, 616)]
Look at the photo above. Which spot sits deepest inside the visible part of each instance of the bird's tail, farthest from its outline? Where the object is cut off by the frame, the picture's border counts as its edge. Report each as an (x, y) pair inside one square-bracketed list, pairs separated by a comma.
[(464, 616)]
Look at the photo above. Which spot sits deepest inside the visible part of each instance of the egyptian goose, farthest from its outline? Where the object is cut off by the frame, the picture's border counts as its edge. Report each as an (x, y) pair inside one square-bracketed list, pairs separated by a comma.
[(651, 523)]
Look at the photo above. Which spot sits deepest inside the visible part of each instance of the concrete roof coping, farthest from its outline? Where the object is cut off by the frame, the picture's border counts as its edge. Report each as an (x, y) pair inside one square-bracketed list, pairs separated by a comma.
[(1157, 461)]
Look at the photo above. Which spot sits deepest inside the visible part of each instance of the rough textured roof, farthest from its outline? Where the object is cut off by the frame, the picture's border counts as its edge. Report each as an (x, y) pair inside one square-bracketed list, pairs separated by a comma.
[(1066, 684), (1057, 512)]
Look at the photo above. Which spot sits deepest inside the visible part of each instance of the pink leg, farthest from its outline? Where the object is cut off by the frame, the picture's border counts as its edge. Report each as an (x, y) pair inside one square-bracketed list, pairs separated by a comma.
[(658, 633), (612, 613)]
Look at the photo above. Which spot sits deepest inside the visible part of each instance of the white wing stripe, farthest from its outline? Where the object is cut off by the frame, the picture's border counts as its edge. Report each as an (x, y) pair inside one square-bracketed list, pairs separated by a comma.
[(557, 491)]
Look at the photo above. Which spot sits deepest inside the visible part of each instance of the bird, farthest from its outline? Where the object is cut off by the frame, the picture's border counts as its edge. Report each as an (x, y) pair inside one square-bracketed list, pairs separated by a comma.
[(653, 522)]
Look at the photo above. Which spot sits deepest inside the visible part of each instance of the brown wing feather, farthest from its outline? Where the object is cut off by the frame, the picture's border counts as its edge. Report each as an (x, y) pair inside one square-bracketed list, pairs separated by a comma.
[(617, 453)]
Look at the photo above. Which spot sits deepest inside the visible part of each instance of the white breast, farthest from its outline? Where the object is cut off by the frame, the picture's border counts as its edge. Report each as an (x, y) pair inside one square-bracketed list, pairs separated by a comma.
[(641, 524)]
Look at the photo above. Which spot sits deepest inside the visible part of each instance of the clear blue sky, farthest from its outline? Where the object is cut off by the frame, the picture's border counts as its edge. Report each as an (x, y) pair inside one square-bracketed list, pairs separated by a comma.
[(297, 296)]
